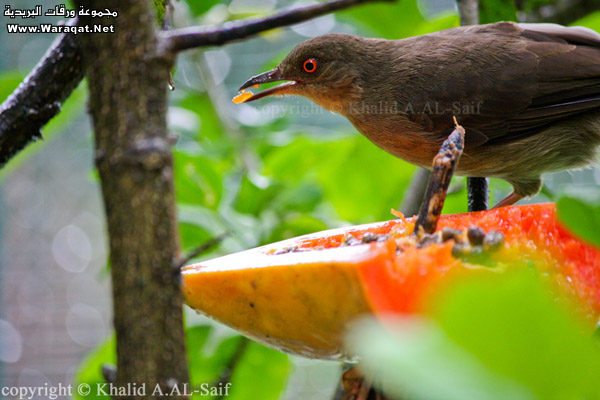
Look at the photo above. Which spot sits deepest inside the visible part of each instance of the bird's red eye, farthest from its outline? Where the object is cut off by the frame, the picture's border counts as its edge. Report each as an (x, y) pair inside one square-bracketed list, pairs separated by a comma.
[(310, 65)]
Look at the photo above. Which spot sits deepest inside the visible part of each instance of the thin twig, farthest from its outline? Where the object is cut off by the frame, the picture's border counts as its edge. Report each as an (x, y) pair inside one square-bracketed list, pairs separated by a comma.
[(227, 372), (203, 248), (192, 37), (40, 96), (109, 372)]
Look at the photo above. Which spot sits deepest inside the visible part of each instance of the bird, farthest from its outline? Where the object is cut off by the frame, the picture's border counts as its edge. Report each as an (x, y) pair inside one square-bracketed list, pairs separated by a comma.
[(528, 95)]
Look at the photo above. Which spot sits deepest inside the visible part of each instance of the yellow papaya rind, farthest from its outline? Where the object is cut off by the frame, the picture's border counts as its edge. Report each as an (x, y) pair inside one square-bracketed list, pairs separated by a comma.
[(297, 303)]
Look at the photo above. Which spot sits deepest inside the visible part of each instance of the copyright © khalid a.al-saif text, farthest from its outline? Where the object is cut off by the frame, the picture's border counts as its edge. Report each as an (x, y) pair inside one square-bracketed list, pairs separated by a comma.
[(134, 389)]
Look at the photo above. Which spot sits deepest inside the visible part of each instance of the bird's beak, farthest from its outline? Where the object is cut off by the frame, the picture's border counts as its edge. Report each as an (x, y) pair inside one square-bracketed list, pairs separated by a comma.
[(273, 75)]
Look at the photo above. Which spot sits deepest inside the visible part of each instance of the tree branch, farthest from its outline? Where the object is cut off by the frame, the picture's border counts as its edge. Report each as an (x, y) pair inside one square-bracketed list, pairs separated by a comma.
[(469, 11), (189, 38), (40, 96), (128, 105), (226, 374)]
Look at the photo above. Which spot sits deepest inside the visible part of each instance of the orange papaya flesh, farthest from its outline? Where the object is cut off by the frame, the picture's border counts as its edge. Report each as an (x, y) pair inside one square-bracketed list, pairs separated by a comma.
[(298, 295)]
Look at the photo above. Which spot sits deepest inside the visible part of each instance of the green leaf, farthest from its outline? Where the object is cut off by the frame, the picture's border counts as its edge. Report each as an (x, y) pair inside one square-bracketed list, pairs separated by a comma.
[(497, 10), (361, 181), (9, 80), (208, 353), (198, 180), (211, 129), (414, 359), (581, 218), (387, 20), (200, 7), (90, 370), (515, 326), (295, 224), (261, 374), (591, 21), (159, 9), (298, 159), (252, 199), (302, 198), (440, 22), (456, 198), (492, 337), (192, 235), (364, 182)]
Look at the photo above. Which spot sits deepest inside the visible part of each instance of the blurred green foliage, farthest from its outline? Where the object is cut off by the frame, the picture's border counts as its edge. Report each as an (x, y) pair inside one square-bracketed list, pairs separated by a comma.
[(198, 8), (259, 373), (497, 10), (493, 337), (9, 81), (591, 21), (581, 217), (159, 9)]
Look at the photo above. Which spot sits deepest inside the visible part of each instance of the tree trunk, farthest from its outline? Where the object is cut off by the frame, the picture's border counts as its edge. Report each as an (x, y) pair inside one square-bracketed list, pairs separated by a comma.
[(128, 105)]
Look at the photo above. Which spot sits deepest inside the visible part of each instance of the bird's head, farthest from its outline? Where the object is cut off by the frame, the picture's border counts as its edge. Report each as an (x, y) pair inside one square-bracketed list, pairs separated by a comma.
[(324, 69)]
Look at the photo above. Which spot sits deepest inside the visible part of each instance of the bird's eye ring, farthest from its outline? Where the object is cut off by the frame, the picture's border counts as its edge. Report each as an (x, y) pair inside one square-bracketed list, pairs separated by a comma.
[(310, 65)]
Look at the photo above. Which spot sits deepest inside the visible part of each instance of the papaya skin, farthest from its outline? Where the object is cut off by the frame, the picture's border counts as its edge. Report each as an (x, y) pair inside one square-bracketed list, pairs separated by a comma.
[(301, 302)]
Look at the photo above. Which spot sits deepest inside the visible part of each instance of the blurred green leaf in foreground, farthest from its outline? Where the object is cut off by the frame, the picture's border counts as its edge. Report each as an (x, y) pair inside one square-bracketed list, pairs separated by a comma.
[(499, 337), (581, 217)]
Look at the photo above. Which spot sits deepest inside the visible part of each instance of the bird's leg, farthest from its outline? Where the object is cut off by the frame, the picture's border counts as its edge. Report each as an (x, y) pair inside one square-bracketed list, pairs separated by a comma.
[(477, 191), (524, 187), (443, 168), (508, 200)]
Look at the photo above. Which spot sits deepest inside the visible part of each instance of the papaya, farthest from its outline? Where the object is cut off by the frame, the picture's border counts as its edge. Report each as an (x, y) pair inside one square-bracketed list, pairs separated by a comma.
[(299, 295)]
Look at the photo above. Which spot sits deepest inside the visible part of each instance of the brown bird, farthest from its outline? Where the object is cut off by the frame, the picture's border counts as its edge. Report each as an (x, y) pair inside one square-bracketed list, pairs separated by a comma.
[(528, 95)]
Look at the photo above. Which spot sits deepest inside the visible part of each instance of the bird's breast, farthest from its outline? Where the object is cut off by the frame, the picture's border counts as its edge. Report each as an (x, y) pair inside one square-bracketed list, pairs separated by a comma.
[(399, 136)]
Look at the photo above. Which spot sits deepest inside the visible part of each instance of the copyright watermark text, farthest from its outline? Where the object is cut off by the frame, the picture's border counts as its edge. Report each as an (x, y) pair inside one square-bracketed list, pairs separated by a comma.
[(53, 392), (19, 17)]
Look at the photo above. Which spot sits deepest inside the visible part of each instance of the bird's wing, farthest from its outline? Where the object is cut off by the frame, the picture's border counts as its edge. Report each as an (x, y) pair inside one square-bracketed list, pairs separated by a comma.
[(514, 80)]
